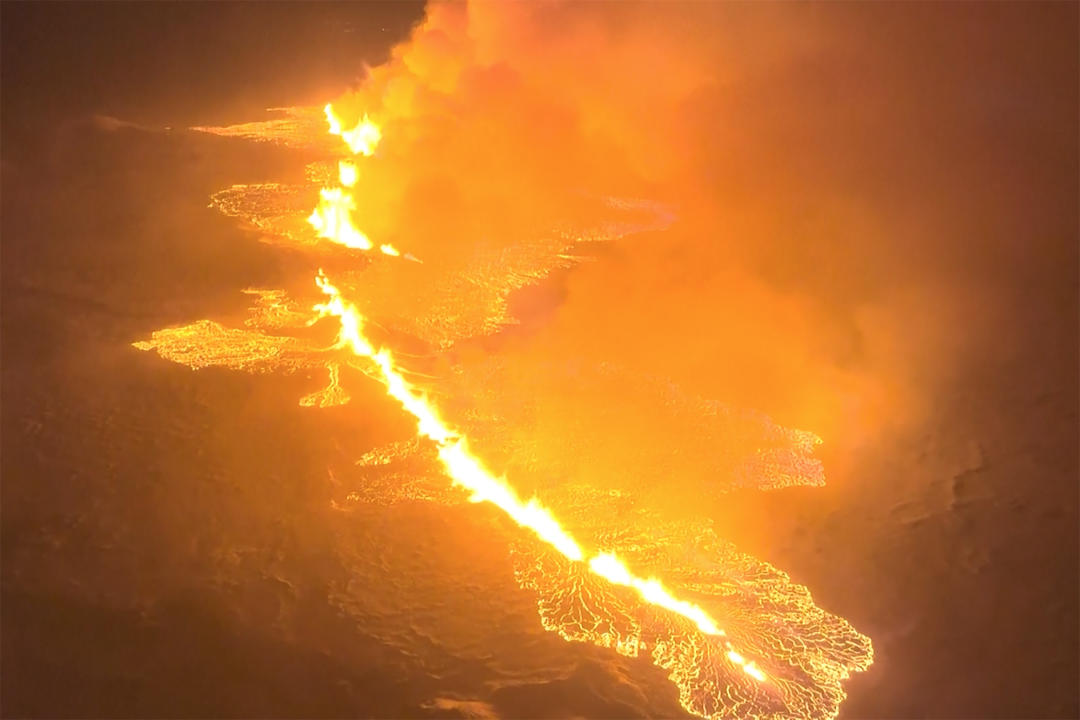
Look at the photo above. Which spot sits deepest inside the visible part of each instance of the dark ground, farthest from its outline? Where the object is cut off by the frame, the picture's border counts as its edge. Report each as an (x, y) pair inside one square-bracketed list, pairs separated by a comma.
[(122, 473)]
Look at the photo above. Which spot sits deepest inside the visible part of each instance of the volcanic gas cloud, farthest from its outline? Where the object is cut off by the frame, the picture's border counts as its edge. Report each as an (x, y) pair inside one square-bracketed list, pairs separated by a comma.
[(495, 147)]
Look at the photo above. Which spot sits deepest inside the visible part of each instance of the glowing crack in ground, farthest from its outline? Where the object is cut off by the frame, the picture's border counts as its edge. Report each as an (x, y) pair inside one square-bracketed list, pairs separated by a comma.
[(779, 655)]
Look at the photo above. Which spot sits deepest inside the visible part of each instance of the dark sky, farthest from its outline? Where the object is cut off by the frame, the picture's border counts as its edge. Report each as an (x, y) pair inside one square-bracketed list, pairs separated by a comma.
[(178, 62)]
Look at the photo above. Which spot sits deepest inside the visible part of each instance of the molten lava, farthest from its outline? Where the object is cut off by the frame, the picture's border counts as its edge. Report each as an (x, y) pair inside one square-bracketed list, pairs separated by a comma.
[(361, 139), (464, 468), (333, 217), (588, 539), (468, 471)]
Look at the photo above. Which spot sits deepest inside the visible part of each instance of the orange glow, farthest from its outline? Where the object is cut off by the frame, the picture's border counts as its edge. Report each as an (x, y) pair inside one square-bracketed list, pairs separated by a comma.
[(606, 426), (333, 218), (462, 466), (581, 571), (609, 567), (467, 471), (361, 139), (348, 173)]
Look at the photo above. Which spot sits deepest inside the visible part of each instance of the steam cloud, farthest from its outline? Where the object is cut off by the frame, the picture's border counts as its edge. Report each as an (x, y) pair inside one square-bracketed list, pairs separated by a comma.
[(831, 227)]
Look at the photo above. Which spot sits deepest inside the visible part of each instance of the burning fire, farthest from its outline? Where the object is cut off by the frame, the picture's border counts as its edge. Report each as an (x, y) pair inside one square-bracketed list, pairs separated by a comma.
[(333, 217), (362, 139), (348, 173)]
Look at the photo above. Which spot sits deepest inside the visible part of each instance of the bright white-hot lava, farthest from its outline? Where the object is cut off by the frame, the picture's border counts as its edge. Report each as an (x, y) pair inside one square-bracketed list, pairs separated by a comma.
[(348, 173), (469, 472), (586, 591), (333, 217), (361, 139)]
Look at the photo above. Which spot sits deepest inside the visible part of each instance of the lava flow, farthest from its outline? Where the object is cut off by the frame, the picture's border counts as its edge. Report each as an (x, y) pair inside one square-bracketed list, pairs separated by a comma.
[(361, 139), (332, 219), (582, 540), (467, 471), (464, 468)]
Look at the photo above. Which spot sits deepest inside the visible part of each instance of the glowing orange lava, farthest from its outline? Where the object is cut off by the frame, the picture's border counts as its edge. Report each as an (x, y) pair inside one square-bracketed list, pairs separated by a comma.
[(333, 217), (361, 139), (469, 472), (587, 539)]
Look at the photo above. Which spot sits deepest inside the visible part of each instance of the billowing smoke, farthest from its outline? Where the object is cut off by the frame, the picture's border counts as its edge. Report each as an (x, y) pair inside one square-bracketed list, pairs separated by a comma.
[(828, 167)]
